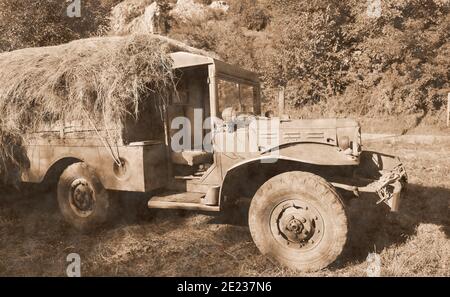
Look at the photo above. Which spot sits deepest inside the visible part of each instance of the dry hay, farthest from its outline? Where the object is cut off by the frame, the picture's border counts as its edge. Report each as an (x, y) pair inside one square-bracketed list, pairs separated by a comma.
[(12, 157), (102, 79), (100, 75)]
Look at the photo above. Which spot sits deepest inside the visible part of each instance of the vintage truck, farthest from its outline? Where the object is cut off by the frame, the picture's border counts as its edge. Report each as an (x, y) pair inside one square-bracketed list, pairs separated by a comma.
[(212, 148)]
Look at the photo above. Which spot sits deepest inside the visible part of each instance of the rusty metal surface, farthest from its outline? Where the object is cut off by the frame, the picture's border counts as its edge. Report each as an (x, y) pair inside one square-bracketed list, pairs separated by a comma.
[(144, 164)]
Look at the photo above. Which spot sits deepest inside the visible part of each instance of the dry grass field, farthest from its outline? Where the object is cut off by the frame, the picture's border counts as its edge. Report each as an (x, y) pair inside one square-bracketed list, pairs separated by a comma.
[(34, 240)]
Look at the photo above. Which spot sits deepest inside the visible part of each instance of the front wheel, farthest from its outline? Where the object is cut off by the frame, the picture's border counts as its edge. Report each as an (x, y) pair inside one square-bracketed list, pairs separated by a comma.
[(82, 199), (298, 219)]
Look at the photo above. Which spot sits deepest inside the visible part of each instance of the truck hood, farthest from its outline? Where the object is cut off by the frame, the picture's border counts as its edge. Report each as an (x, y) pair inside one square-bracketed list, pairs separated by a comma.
[(319, 123), (326, 131)]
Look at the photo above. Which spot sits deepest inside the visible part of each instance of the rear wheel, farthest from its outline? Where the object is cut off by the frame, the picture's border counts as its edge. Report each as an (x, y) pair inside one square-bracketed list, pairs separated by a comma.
[(82, 199), (298, 219)]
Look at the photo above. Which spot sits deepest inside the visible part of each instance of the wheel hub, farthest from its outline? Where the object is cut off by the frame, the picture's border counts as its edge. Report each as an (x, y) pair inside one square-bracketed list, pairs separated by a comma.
[(82, 198), (296, 224)]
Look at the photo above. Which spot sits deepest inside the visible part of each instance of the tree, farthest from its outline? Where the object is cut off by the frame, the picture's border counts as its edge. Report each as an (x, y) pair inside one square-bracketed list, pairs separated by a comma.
[(307, 49), (25, 23)]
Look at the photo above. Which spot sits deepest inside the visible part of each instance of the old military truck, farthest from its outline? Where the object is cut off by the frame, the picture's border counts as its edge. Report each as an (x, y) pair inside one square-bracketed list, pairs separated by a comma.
[(210, 150)]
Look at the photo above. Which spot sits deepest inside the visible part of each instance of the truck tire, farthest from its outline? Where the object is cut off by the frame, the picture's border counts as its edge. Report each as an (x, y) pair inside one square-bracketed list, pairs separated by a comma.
[(82, 199), (298, 220)]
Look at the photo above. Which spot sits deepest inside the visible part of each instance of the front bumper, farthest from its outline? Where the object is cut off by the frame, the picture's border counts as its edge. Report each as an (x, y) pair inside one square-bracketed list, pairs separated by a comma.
[(380, 175), (394, 201), (385, 175)]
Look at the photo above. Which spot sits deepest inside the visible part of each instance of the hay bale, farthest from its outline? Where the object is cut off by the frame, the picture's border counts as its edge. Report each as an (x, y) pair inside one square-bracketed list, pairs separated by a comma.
[(103, 76), (104, 79)]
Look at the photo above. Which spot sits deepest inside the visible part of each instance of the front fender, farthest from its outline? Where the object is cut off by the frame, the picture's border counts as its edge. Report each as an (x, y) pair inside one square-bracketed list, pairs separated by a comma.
[(304, 153)]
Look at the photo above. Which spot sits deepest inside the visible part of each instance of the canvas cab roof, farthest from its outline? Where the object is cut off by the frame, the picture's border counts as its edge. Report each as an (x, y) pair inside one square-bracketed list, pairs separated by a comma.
[(185, 59)]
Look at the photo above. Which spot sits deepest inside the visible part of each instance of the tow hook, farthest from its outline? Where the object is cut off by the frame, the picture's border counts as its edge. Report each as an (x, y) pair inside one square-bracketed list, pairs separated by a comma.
[(398, 174)]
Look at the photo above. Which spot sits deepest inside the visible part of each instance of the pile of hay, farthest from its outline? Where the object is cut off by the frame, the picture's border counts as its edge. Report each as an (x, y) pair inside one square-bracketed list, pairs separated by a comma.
[(12, 157), (102, 76), (103, 79)]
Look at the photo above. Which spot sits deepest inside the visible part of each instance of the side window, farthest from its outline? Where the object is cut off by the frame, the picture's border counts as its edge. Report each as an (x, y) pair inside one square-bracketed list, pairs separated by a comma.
[(236, 95), (247, 99), (228, 95)]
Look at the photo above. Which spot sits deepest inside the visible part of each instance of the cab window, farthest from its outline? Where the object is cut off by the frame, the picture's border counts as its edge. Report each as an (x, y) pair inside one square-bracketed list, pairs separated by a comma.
[(239, 96)]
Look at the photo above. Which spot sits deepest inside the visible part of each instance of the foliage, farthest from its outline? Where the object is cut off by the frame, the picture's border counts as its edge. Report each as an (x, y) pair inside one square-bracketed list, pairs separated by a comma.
[(251, 14), (331, 56), (307, 52), (25, 23)]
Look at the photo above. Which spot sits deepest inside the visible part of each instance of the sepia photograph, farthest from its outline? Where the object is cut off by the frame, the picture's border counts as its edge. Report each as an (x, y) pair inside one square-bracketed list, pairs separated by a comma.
[(243, 139)]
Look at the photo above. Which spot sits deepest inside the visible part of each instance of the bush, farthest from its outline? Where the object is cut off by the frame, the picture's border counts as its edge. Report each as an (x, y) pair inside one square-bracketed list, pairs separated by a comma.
[(307, 53), (327, 53), (49, 22), (250, 14), (332, 52)]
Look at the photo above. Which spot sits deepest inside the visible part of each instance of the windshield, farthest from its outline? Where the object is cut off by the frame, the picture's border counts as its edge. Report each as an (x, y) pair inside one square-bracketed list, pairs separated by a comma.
[(238, 96)]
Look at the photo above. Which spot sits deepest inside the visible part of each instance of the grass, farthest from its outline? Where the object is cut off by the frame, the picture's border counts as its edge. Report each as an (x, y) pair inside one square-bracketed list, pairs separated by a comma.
[(36, 241)]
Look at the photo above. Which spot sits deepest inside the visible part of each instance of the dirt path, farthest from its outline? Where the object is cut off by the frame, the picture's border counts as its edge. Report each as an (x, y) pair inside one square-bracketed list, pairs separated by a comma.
[(35, 240)]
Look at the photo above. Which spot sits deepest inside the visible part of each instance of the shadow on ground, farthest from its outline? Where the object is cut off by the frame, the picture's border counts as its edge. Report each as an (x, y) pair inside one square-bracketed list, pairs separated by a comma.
[(374, 228)]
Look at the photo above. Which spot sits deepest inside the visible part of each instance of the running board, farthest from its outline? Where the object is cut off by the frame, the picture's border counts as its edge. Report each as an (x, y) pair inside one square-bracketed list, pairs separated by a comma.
[(185, 200), (182, 205)]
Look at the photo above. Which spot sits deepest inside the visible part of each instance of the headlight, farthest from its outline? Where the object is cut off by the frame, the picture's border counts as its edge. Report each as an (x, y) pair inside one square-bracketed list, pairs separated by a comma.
[(344, 143)]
